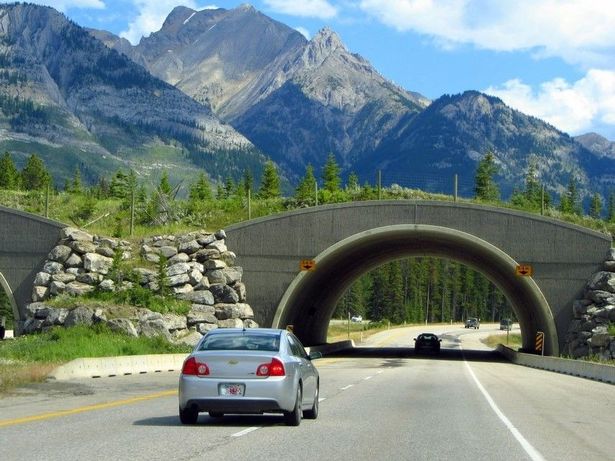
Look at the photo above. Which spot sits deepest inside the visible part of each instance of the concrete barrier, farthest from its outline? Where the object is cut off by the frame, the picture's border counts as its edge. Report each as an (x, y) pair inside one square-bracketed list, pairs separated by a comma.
[(330, 348), (98, 367), (580, 368)]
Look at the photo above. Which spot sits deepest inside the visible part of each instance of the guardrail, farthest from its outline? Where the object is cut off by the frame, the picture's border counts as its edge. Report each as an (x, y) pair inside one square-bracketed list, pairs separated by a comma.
[(580, 368)]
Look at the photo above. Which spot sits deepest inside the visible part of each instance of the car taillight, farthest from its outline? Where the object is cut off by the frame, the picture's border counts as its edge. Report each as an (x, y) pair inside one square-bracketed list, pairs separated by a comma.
[(273, 368), (192, 367)]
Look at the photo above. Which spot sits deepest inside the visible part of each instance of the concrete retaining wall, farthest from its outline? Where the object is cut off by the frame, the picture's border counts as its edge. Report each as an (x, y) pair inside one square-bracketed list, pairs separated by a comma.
[(590, 370)]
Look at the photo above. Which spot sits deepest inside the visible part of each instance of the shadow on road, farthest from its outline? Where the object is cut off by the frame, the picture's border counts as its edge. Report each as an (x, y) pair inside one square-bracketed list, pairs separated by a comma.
[(241, 421), (409, 353)]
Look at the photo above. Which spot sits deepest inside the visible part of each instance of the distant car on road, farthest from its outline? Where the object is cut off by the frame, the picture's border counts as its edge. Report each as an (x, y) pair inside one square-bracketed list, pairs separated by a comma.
[(506, 324), (472, 322), (254, 370), (356, 318), (427, 342)]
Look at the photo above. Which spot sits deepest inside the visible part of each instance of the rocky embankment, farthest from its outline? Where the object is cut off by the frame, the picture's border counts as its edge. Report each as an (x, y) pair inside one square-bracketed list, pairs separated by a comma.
[(198, 268), (588, 334)]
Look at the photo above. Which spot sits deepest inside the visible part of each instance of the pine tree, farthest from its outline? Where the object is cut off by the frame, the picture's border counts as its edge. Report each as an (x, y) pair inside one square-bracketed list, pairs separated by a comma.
[(331, 175), (570, 201), (595, 208), (201, 190), (248, 182), (394, 299), (353, 185), (165, 186), (270, 183), (610, 212), (34, 175), (9, 176), (229, 186), (76, 186), (485, 187), (307, 187), (376, 309), (119, 185)]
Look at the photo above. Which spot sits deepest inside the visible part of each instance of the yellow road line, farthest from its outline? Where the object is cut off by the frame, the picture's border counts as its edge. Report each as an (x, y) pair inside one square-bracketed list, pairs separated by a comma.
[(99, 406)]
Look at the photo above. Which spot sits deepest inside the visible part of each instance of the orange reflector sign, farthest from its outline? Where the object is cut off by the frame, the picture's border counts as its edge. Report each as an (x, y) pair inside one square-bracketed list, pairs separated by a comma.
[(524, 270), (307, 265)]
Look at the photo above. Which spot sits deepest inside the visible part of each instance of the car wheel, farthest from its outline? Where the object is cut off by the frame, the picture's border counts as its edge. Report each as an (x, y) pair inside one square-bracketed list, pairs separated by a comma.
[(188, 415), (312, 413), (293, 418), (216, 414)]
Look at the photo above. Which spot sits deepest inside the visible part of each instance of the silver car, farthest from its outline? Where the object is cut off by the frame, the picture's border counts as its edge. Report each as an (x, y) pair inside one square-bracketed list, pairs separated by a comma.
[(254, 370)]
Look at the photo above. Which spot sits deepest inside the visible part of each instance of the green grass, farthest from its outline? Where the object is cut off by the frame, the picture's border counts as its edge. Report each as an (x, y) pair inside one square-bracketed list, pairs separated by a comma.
[(512, 340), (135, 297), (30, 358), (64, 344)]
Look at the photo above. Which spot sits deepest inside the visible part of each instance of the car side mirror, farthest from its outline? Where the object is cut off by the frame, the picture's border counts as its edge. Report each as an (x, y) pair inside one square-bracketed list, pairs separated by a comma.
[(315, 355)]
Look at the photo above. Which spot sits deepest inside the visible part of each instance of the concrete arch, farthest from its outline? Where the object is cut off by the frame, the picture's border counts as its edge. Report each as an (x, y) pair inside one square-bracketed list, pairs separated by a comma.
[(310, 299), (564, 256), (25, 242), (4, 285)]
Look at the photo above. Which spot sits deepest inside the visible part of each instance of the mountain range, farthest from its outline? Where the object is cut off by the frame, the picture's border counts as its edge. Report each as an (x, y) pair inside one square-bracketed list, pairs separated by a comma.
[(225, 89)]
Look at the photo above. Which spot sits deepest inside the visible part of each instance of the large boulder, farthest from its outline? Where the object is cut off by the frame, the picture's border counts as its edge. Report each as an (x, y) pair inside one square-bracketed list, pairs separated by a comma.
[(152, 328), (224, 294), (198, 297), (200, 313), (122, 325), (79, 316), (59, 253), (72, 233), (603, 281), (94, 262)]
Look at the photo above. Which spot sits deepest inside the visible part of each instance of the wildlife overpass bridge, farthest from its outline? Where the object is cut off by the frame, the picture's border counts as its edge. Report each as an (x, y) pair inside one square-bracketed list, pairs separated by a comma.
[(346, 240)]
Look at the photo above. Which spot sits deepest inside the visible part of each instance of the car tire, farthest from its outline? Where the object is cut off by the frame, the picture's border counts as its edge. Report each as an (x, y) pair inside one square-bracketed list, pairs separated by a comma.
[(188, 415), (216, 414), (312, 413), (293, 418)]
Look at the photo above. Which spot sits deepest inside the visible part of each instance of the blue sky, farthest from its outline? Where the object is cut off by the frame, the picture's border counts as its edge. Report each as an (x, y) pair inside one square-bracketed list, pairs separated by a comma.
[(554, 59)]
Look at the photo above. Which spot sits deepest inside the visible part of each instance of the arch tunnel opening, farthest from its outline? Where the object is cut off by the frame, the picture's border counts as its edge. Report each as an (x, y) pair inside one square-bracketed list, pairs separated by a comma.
[(311, 298), (9, 313)]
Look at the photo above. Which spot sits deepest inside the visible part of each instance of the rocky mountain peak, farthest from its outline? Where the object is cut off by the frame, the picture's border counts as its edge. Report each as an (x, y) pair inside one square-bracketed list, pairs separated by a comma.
[(178, 16), (326, 38), (246, 7)]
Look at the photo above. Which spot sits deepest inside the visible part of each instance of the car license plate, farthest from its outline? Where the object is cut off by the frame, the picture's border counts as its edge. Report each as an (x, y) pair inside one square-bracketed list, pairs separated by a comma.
[(232, 389)]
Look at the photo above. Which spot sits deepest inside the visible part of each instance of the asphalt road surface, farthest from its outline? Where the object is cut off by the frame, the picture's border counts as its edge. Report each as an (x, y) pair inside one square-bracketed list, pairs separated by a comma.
[(380, 402)]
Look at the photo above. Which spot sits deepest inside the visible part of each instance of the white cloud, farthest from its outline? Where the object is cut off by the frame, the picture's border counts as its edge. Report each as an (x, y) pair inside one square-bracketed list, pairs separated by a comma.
[(579, 31), (322, 9), (150, 17), (572, 107), (65, 5), (303, 31)]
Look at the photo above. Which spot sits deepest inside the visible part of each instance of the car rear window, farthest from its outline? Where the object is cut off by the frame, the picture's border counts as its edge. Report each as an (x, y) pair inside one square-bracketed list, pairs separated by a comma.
[(241, 342)]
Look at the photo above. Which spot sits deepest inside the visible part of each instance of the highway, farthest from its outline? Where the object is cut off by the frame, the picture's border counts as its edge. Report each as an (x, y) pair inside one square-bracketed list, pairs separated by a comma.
[(381, 402)]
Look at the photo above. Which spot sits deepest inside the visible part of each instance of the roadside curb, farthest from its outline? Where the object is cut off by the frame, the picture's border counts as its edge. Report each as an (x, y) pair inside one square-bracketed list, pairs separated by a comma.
[(580, 368), (103, 367), (99, 367)]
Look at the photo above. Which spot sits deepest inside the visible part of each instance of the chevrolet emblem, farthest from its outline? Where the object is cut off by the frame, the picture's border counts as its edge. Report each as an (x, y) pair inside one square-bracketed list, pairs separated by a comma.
[(233, 362)]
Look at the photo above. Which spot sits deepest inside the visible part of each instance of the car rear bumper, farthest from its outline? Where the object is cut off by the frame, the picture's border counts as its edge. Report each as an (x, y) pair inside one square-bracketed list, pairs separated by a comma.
[(236, 405), (273, 394)]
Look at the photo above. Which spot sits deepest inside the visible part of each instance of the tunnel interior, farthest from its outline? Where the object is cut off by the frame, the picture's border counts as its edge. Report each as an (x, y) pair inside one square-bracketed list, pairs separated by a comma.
[(311, 298), (8, 307)]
